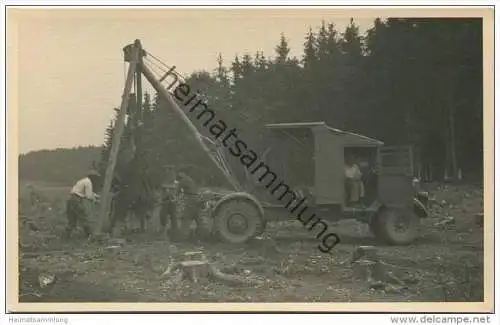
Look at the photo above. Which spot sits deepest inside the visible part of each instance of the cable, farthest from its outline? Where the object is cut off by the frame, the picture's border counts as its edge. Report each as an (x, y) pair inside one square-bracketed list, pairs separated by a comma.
[(156, 74), (157, 59), (164, 73), (182, 77), (155, 65), (154, 68)]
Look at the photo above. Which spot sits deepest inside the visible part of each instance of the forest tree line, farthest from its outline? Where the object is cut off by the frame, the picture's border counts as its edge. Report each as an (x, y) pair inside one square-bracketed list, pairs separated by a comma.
[(62, 166), (404, 81)]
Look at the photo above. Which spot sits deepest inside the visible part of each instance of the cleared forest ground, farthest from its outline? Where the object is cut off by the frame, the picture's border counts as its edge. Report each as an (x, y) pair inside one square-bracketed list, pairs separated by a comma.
[(445, 264)]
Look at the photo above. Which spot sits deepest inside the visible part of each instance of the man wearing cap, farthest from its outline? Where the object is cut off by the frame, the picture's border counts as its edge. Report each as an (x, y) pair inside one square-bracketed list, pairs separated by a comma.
[(80, 202)]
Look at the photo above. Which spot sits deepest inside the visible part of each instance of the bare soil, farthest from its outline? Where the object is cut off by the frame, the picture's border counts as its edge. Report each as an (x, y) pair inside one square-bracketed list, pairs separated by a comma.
[(445, 264)]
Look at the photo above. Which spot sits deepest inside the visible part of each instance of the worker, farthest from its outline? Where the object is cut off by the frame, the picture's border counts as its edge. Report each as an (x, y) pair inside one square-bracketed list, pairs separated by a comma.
[(192, 204), (80, 203), (354, 185), (169, 207)]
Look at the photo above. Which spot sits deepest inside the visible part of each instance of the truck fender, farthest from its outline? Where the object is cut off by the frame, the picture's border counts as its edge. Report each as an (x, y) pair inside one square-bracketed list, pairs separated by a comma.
[(419, 208), (240, 195)]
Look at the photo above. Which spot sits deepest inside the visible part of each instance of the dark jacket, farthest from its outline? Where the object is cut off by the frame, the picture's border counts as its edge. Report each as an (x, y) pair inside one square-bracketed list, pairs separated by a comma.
[(187, 184)]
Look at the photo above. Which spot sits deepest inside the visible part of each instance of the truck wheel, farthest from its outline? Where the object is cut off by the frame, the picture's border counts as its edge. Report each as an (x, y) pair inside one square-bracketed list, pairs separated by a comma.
[(261, 227), (237, 220), (396, 227), (419, 208), (373, 225)]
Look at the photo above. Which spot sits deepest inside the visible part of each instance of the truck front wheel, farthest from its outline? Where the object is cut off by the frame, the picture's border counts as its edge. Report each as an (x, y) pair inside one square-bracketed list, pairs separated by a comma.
[(237, 220), (396, 226)]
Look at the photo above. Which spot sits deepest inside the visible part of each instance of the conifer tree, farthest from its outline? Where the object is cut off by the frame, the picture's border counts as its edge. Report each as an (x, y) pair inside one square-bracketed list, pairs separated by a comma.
[(309, 57), (282, 50)]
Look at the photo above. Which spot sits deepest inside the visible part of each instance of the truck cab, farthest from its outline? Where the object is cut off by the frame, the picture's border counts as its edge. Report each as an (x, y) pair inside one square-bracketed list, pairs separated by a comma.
[(311, 158)]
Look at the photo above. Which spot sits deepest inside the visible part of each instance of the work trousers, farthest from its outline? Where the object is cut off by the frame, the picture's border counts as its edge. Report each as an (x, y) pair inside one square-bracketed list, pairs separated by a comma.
[(78, 211), (168, 211), (355, 190), (190, 210)]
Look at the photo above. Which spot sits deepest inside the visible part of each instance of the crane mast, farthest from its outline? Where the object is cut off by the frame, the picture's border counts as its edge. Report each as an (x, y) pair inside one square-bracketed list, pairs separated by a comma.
[(199, 138), (134, 53)]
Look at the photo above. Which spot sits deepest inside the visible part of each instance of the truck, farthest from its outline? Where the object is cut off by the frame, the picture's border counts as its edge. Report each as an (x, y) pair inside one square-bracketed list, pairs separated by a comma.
[(310, 156)]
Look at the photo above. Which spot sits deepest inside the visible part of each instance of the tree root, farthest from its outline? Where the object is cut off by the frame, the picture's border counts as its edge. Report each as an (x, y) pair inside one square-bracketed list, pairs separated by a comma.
[(200, 270)]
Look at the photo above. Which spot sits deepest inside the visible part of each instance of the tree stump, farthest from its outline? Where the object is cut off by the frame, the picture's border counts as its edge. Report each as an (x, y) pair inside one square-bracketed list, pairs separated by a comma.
[(362, 270), (198, 255), (366, 266), (195, 270), (364, 252)]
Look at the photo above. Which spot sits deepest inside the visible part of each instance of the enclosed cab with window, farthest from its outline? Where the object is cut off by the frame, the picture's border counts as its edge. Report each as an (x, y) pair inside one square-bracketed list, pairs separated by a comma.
[(312, 158)]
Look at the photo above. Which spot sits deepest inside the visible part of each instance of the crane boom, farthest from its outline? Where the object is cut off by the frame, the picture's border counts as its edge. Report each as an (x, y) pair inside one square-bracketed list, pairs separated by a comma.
[(199, 138)]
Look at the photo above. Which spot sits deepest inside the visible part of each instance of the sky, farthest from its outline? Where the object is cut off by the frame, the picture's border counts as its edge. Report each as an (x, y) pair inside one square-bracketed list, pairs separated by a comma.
[(70, 61)]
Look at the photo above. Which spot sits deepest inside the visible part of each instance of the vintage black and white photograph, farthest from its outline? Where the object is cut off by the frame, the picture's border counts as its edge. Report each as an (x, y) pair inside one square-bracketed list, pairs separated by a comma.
[(264, 155)]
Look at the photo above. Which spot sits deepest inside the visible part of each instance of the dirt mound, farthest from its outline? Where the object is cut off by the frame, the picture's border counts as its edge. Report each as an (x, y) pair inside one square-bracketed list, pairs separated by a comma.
[(66, 288)]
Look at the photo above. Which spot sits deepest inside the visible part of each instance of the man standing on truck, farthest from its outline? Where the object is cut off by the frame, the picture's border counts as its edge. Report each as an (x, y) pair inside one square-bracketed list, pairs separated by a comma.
[(354, 185), (80, 203)]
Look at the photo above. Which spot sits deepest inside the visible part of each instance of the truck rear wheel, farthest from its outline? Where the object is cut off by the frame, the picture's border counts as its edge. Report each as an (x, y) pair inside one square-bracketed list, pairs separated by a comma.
[(396, 226), (261, 227), (237, 220), (373, 225)]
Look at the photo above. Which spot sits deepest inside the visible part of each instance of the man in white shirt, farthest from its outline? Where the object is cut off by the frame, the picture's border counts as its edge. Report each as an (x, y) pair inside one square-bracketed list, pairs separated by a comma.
[(354, 186), (79, 204)]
